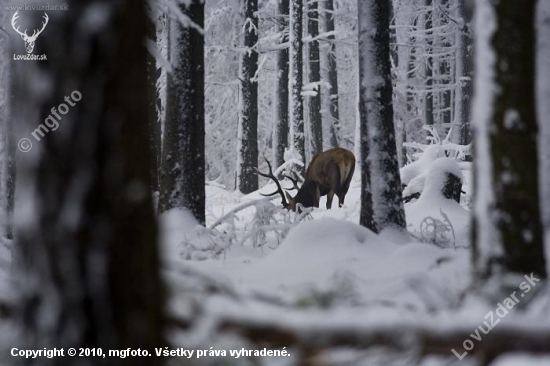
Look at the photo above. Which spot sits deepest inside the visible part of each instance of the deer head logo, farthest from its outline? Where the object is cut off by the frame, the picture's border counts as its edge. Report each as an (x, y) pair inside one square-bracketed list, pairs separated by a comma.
[(29, 40)]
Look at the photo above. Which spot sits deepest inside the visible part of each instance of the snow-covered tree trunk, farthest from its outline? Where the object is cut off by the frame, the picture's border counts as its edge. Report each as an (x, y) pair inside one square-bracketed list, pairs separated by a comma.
[(428, 69), (7, 147), (314, 103), (444, 76), (247, 158), (280, 128), (88, 242), (183, 160), (332, 74), (296, 105), (153, 100), (381, 199), (507, 228), (464, 73), (543, 109)]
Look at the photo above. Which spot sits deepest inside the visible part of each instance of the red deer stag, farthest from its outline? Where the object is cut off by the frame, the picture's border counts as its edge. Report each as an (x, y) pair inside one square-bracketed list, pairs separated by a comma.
[(329, 173)]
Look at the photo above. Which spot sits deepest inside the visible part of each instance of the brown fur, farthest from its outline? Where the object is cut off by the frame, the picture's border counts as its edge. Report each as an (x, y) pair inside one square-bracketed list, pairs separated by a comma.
[(329, 173)]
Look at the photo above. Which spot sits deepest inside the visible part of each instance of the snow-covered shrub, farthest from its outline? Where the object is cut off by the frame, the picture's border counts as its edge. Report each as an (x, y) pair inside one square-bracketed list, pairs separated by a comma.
[(253, 224), (422, 164), (413, 175), (340, 291), (438, 232), (437, 217)]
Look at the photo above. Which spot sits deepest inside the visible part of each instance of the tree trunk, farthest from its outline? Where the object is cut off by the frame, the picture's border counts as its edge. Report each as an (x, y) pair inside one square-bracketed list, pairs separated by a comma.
[(183, 161), (507, 230), (444, 76), (247, 181), (543, 107), (428, 70), (381, 200), (280, 128), (296, 104), (332, 75), (7, 146), (464, 71), (315, 121), (152, 101), (89, 252)]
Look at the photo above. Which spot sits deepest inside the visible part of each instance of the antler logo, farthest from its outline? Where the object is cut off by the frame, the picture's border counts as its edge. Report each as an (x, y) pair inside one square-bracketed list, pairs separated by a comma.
[(29, 40)]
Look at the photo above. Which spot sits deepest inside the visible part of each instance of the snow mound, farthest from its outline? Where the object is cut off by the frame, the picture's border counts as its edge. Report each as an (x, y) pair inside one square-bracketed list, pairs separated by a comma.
[(319, 236), (435, 218), (437, 175), (420, 166), (336, 263), (315, 252), (415, 186), (177, 227)]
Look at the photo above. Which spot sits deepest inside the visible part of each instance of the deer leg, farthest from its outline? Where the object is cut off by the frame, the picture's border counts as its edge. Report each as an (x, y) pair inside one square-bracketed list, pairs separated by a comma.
[(330, 196), (317, 196), (345, 187)]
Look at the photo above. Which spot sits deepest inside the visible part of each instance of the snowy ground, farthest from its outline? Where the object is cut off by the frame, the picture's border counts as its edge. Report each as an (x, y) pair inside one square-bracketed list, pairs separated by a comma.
[(329, 271), (262, 264), (329, 258)]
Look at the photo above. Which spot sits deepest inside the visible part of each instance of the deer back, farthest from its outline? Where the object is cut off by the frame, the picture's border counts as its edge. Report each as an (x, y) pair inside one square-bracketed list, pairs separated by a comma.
[(330, 169)]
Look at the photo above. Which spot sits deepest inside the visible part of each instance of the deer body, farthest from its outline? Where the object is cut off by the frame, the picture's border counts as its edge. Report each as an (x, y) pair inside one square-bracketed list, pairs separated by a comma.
[(328, 174)]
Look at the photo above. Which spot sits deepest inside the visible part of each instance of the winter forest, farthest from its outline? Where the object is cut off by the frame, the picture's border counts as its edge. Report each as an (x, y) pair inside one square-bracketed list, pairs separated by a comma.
[(275, 182)]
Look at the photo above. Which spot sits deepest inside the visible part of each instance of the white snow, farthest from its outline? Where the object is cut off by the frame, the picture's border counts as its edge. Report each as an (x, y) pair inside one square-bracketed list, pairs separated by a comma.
[(331, 273), (420, 166), (432, 204), (330, 258)]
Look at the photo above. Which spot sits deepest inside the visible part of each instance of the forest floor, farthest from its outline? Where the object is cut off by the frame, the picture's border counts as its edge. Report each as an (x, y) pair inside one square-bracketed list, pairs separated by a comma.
[(320, 271), (330, 272)]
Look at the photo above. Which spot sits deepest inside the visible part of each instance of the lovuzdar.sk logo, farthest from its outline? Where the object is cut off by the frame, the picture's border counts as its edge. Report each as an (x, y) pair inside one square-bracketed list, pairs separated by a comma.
[(29, 40)]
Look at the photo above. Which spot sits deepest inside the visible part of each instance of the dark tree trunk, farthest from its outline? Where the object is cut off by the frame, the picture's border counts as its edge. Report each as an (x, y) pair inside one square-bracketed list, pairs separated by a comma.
[(332, 75), (428, 70), (183, 160), (280, 128), (89, 252), (507, 222), (543, 109), (464, 63), (381, 200), (248, 128), (152, 102), (296, 103), (315, 121), (7, 146)]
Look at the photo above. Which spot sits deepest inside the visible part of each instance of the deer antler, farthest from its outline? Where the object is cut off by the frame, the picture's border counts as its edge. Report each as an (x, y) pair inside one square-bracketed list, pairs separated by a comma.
[(294, 182), (270, 175), (36, 33), (13, 19)]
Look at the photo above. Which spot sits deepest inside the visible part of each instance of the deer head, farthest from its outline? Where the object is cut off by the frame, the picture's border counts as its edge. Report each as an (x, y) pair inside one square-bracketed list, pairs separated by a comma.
[(289, 205), (29, 40)]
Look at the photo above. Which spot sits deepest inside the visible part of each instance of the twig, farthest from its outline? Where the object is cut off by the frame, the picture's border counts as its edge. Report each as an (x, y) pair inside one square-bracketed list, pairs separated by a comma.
[(237, 209)]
